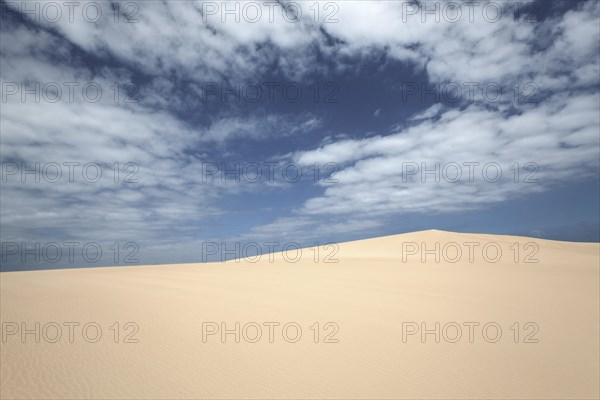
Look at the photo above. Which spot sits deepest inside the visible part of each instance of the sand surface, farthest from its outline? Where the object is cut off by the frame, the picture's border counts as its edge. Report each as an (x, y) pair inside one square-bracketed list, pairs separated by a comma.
[(363, 304)]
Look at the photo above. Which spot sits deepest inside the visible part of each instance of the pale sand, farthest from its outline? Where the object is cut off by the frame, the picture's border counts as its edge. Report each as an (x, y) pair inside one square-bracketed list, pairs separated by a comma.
[(368, 294)]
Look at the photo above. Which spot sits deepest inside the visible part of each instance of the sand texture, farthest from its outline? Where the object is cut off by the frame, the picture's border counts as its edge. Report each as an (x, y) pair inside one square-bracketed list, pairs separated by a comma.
[(357, 318)]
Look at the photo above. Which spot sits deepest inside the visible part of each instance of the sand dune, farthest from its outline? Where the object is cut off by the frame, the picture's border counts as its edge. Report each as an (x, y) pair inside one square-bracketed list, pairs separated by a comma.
[(368, 309)]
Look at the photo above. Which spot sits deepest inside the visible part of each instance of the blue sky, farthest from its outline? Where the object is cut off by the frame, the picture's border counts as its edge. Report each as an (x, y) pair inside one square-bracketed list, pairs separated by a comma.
[(368, 91)]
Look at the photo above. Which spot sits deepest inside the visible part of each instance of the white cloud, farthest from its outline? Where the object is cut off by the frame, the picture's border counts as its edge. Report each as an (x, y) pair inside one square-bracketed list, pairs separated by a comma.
[(559, 132), (170, 41)]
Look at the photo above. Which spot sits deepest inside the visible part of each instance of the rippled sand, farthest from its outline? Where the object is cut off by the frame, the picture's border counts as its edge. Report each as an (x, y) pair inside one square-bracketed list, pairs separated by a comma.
[(365, 313)]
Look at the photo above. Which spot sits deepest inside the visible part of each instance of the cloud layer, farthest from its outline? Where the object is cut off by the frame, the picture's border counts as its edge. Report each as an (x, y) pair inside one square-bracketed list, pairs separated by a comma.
[(546, 114)]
